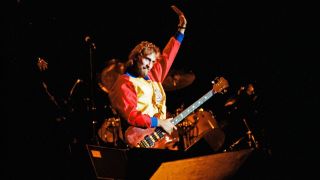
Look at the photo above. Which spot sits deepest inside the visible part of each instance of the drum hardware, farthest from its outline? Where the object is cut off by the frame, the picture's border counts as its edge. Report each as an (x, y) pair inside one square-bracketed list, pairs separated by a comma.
[(187, 128), (187, 131), (94, 136), (64, 106), (73, 88), (196, 125), (110, 131), (251, 141), (91, 107), (243, 107), (67, 109)]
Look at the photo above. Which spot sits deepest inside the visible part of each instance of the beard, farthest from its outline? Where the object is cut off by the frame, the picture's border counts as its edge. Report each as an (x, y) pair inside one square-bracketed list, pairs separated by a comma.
[(143, 71)]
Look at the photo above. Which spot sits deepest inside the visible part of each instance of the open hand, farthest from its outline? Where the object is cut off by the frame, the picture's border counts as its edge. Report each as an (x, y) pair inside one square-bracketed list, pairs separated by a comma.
[(42, 64), (182, 19)]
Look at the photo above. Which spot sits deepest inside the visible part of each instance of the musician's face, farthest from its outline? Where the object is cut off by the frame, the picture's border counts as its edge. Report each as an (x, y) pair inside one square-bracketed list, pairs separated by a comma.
[(145, 64)]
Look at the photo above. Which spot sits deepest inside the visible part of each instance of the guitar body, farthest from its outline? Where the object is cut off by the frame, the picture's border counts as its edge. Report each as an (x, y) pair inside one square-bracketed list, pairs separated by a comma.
[(134, 136)]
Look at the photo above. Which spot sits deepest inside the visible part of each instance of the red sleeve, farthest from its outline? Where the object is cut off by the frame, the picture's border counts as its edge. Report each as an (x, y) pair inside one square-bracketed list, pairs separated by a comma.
[(123, 98), (161, 68)]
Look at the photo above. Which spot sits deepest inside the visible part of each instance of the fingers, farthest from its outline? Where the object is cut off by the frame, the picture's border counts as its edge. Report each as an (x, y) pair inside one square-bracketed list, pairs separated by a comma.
[(182, 20), (175, 127), (177, 10), (42, 64), (167, 125)]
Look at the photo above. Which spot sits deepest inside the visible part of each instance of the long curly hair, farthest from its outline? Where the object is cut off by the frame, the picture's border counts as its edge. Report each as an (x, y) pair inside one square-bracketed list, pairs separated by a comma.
[(144, 48)]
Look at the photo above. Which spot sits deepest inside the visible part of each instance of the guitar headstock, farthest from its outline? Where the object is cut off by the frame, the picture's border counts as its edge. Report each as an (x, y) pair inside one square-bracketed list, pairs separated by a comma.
[(220, 85)]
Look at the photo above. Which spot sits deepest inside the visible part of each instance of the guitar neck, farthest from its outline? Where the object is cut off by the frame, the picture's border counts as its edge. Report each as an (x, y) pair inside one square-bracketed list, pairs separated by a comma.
[(192, 107)]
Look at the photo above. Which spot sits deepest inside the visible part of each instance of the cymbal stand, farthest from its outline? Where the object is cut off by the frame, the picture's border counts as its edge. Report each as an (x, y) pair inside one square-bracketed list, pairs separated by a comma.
[(231, 147), (252, 143), (251, 139)]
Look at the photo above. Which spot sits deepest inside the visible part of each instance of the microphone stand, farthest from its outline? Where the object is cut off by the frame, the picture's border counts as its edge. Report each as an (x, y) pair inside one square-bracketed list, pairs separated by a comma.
[(92, 107)]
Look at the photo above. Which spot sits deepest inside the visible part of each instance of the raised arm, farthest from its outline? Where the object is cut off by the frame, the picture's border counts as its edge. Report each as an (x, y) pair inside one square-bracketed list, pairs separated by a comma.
[(182, 20)]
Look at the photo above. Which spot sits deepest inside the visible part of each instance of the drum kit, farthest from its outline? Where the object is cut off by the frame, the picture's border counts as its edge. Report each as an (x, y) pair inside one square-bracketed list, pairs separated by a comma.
[(193, 127), (198, 124)]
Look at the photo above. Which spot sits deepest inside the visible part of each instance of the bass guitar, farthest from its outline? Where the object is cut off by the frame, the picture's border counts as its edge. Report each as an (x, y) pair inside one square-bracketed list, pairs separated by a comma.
[(156, 137)]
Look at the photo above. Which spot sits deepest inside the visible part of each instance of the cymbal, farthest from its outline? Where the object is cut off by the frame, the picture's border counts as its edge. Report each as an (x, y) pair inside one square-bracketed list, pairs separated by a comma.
[(110, 73), (177, 80), (230, 102)]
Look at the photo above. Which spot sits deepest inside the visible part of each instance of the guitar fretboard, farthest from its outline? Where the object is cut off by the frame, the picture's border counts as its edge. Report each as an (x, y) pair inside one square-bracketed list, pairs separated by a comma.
[(192, 107)]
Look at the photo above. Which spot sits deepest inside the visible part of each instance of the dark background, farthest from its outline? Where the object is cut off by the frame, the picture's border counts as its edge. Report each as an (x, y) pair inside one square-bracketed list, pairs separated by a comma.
[(267, 43)]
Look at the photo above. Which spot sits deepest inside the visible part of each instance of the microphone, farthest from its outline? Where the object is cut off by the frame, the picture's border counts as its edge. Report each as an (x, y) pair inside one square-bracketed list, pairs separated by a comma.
[(74, 86), (89, 41)]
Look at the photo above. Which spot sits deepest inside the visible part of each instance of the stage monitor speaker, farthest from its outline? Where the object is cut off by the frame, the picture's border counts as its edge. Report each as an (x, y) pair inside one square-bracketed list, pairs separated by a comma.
[(108, 163), (215, 167), (210, 141)]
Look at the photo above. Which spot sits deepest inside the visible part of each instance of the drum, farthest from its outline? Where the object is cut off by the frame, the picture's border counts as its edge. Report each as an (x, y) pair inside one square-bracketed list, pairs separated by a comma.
[(110, 73), (203, 124), (110, 131)]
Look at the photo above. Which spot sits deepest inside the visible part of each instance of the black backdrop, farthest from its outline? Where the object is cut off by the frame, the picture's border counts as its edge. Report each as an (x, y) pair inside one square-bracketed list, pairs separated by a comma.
[(266, 43)]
